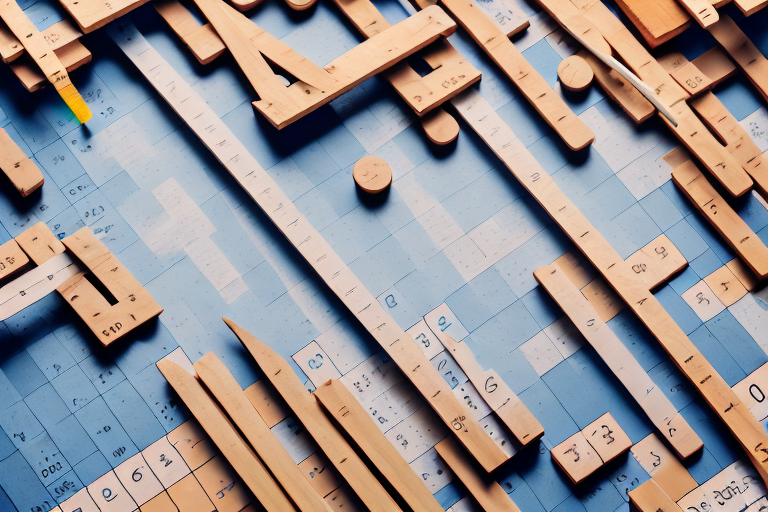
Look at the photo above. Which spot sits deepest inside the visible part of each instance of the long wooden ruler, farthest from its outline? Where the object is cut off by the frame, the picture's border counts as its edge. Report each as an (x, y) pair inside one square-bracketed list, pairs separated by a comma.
[(318, 253)]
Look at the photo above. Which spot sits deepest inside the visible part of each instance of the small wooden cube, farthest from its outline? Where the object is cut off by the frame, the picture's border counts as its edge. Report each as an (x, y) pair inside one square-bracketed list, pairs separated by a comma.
[(576, 457), (607, 438)]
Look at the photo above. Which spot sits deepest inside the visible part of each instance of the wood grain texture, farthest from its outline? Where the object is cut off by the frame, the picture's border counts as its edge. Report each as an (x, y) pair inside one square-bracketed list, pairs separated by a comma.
[(658, 21)]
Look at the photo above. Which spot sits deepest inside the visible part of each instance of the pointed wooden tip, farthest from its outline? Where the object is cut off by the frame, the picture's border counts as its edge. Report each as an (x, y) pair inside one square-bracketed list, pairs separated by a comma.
[(170, 368), (241, 333), (449, 342)]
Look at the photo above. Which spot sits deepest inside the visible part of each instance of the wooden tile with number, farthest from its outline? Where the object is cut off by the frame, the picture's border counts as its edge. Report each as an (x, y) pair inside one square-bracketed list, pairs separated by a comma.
[(39, 243), (138, 479), (193, 445), (110, 495), (225, 489), (165, 462), (726, 286), (607, 437), (752, 391), (685, 73), (663, 466), (657, 262), (320, 473), (576, 457)]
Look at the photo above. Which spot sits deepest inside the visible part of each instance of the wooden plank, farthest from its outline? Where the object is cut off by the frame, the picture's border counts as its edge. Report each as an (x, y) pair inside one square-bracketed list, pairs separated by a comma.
[(486, 491), (666, 470), (359, 426), (737, 141), (750, 7), (658, 21), (58, 35), (723, 218), (685, 73), (22, 172), (318, 253), (702, 11), (576, 457), (93, 15), (715, 64), (72, 56), (532, 85), (309, 412), (223, 386), (40, 50), (607, 437), (496, 393), (12, 259), (202, 40), (743, 51), (225, 437), (39, 243), (662, 413), (650, 497)]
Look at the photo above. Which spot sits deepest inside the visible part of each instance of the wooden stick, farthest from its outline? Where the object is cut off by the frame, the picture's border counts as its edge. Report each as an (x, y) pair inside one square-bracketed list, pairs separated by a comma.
[(58, 35), (359, 426), (539, 94), (40, 50), (223, 434), (318, 253), (665, 417), (12, 259), (488, 493), (24, 175), (496, 393), (311, 415), (721, 216), (702, 11), (486, 122), (93, 15), (39, 243), (72, 56), (649, 497), (743, 51), (222, 384), (715, 64), (658, 21), (202, 40)]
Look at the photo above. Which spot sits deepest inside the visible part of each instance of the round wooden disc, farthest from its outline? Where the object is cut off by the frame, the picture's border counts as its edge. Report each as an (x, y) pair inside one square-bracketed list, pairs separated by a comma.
[(574, 73), (440, 126), (372, 174)]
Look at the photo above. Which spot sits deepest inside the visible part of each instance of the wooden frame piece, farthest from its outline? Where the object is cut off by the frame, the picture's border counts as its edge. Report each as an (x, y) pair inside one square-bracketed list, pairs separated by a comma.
[(722, 217), (743, 51), (662, 413), (225, 437), (22, 172), (483, 488), (223, 386), (496, 393), (202, 40), (658, 21), (357, 423), (311, 415)]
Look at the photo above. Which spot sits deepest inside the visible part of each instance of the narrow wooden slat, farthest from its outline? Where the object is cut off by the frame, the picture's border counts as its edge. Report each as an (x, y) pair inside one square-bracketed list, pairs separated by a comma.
[(743, 51), (39, 243), (702, 11), (223, 434), (750, 7), (723, 218), (12, 259), (58, 35), (657, 20), (348, 413), (95, 14), (202, 40), (685, 73), (72, 56), (24, 175), (715, 64), (665, 417)]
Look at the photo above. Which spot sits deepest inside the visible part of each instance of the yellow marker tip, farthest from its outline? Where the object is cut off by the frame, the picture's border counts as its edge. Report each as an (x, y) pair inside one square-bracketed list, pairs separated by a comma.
[(76, 103)]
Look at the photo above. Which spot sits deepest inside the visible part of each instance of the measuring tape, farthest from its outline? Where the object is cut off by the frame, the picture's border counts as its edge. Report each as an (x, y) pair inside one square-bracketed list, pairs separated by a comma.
[(36, 284)]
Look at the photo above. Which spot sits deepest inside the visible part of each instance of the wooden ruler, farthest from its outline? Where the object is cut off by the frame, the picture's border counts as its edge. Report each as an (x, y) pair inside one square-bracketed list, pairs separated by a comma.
[(318, 253), (42, 53)]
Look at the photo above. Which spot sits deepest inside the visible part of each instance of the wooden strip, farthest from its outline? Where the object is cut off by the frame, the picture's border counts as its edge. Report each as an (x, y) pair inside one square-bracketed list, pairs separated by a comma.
[(750, 7), (72, 56), (40, 50), (202, 40), (22, 172), (58, 35), (685, 73), (723, 218), (223, 434), (702, 11), (616, 87), (742, 273), (311, 415), (576, 457), (496, 393), (664, 467), (657, 20), (318, 253), (486, 491), (662, 413), (223, 386), (607, 437), (481, 116), (359, 426), (12, 259), (743, 51), (39, 243), (93, 15), (649, 497), (657, 262), (737, 140), (715, 64), (536, 90)]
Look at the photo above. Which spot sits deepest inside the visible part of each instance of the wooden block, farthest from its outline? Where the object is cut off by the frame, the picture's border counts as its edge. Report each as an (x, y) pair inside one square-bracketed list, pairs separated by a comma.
[(134, 305), (486, 491), (716, 65), (702, 11), (90, 16), (506, 405), (576, 457), (440, 127), (160, 503), (320, 473), (72, 56), (607, 437), (359, 426), (12, 259), (372, 174), (657, 262), (603, 298), (189, 496), (502, 51), (725, 286), (39, 243), (723, 218), (750, 7), (685, 73), (193, 445), (58, 35), (620, 360), (737, 140), (657, 20), (742, 273), (743, 51), (222, 384), (663, 466), (223, 433), (24, 175), (650, 497), (269, 405), (220, 482), (202, 40), (574, 73), (311, 415)]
